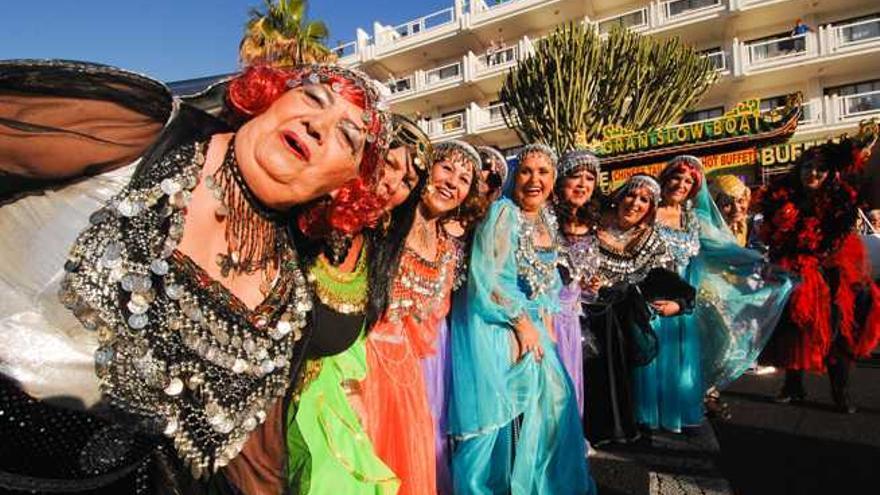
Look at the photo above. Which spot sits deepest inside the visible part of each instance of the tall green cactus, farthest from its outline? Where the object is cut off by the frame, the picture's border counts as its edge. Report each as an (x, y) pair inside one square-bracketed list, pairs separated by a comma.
[(578, 82)]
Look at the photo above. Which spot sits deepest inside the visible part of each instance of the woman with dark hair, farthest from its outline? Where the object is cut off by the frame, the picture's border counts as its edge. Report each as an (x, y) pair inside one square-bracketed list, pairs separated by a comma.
[(328, 449), (833, 317), (633, 268), (577, 210), (512, 407), (493, 174), (669, 390), (436, 366), (190, 302), (420, 260)]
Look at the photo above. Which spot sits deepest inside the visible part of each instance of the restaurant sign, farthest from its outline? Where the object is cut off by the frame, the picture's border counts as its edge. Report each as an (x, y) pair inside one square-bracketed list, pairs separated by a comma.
[(743, 120)]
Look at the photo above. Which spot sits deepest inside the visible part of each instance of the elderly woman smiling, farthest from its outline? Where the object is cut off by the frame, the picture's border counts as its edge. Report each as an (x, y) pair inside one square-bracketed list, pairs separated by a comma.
[(190, 300), (510, 393)]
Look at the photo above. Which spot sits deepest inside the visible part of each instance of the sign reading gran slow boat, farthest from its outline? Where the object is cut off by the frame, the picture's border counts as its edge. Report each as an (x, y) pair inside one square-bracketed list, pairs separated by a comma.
[(730, 143)]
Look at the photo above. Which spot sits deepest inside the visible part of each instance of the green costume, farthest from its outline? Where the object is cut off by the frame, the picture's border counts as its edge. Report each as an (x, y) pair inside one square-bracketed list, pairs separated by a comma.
[(329, 450)]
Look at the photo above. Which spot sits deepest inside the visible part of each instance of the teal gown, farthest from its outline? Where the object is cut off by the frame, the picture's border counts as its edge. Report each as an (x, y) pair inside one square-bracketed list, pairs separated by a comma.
[(739, 301), (516, 424)]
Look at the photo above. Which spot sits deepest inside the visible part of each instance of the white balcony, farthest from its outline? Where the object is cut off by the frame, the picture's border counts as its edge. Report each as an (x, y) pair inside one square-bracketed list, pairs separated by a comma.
[(489, 118), (779, 50), (852, 36), (637, 20), (418, 26), (346, 49), (811, 114), (747, 4), (853, 108), (447, 127), (402, 87), (445, 74), (679, 10), (718, 57), (480, 6), (495, 61)]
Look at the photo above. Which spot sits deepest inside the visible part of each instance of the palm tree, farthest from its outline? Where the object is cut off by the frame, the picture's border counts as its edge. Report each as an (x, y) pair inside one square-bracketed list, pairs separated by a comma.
[(578, 84), (282, 35)]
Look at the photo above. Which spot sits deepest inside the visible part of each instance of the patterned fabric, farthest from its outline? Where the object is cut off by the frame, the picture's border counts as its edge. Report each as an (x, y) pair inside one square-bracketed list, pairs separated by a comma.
[(490, 389), (398, 416)]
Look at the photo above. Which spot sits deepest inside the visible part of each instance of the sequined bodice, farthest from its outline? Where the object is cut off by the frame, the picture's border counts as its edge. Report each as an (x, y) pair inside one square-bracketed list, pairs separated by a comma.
[(683, 244), (633, 265), (579, 256), (422, 285), (176, 346)]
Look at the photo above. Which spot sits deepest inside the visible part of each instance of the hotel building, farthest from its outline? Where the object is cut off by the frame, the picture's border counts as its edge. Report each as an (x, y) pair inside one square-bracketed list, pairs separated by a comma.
[(445, 69)]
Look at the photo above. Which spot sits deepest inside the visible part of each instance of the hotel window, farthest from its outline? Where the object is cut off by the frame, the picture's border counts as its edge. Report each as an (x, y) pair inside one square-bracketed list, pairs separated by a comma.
[(698, 115), (858, 98)]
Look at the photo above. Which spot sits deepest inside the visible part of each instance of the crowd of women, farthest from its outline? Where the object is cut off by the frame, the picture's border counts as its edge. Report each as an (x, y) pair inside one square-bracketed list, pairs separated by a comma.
[(304, 294)]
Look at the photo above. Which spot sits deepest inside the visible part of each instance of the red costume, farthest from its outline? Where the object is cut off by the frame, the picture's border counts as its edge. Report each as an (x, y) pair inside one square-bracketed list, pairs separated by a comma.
[(833, 316)]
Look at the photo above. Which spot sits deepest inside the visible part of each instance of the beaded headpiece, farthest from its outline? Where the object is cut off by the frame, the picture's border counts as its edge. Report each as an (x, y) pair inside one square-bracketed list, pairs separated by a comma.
[(688, 161), (495, 159), (448, 148), (376, 104), (538, 148), (576, 160), (640, 181), (405, 132)]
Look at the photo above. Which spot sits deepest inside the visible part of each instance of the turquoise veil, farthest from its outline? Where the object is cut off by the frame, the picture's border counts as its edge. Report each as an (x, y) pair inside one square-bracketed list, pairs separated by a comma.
[(740, 297)]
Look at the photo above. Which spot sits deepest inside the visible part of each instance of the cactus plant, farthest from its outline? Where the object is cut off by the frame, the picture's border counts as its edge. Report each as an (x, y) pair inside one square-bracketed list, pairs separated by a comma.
[(578, 83)]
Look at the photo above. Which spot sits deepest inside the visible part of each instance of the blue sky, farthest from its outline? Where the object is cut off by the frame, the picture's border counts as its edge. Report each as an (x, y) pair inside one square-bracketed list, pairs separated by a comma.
[(169, 39)]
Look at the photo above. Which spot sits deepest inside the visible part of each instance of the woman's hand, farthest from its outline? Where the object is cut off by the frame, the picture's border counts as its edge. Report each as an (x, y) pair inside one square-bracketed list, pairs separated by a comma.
[(592, 285), (529, 338), (666, 308)]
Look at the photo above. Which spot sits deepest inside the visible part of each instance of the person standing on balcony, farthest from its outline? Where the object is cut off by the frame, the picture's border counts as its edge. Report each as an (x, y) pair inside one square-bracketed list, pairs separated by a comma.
[(799, 32)]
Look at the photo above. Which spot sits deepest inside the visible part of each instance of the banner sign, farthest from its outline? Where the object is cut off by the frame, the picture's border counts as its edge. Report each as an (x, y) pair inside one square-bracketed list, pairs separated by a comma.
[(745, 119), (712, 164)]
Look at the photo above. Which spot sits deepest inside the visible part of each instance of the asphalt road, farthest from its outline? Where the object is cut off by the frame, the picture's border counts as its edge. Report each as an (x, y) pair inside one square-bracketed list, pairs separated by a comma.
[(802, 449)]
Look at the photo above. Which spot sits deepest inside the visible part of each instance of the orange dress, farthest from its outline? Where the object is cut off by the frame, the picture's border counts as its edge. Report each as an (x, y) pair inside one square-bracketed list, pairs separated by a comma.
[(397, 414)]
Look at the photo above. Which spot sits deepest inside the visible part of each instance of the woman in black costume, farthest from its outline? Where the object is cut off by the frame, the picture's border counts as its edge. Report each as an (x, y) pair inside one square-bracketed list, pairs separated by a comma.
[(190, 307), (634, 266)]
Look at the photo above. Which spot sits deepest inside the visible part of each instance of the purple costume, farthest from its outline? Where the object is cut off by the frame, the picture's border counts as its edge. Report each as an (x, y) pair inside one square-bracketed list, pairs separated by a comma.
[(572, 332), (436, 370)]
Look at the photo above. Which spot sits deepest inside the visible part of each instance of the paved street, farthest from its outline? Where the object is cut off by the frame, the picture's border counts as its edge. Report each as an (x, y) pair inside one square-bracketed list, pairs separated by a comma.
[(766, 448), (802, 449)]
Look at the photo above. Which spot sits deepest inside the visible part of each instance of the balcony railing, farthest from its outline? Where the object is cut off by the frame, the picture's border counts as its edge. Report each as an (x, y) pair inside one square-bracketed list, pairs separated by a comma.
[(636, 19), (682, 8), (446, 126), (446, 73), (419, 26), (346, 49), (856, 33), (859, 105), (718, 59), (483, 5), (783, 47), (403, 85), (496, 59)]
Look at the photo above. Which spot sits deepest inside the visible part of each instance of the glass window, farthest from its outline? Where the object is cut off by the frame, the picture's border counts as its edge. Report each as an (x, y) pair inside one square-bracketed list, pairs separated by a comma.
[(678, 7), (858, 30), (698, 115), (631, 19)]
